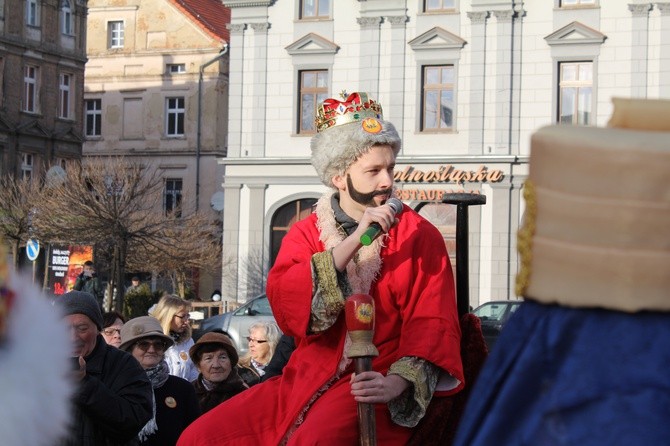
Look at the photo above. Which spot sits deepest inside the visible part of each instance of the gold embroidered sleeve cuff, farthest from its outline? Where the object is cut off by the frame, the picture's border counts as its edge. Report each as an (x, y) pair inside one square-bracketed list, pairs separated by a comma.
[(328, 299), (410, 406)]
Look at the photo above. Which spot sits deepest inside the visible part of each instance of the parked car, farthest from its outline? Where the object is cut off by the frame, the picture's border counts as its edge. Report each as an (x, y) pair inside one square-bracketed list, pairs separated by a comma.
[(235, 324), (494, 315)]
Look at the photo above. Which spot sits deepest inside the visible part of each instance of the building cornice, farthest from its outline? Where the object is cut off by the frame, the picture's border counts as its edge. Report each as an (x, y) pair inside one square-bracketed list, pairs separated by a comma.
[(300, 161)]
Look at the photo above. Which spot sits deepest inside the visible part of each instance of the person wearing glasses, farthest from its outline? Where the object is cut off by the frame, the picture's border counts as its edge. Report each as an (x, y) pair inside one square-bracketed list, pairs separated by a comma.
[(113, 394), (175, 404), (263, 339), (173, 314), (112, 321)]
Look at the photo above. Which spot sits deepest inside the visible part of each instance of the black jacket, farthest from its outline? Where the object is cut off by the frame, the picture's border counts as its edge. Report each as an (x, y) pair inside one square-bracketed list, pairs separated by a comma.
[(222, 391), (176, 408), (113, 401)]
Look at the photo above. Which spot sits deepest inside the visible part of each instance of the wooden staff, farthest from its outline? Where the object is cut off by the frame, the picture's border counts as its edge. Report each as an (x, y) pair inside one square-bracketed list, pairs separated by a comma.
[(360, 315)]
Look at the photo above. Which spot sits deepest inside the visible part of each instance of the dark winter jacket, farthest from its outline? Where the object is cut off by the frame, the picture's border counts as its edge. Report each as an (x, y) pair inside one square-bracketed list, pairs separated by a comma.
[(90, 285), (248, 374), (222, 391), (176, 408), (113, 401)]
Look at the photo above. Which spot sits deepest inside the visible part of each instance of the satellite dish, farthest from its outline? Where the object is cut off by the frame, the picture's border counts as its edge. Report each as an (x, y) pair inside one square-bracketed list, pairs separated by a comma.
[(217, 201), (55, 175)]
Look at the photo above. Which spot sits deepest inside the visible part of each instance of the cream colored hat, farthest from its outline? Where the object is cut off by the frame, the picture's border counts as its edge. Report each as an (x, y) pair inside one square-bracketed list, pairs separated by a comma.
[(596, 228)]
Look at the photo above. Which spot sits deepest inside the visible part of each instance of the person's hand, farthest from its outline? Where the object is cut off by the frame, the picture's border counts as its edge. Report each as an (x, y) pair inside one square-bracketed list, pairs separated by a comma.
[(384, 216), (79, 373), (373, 387)]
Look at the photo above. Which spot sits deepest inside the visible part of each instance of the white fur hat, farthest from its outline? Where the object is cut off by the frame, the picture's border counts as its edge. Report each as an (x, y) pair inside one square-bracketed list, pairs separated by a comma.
[(346, 130)]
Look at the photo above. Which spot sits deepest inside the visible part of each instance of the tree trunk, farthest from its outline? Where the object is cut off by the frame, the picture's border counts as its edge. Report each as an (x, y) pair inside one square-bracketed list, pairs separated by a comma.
[(120, 269), (15, 253)]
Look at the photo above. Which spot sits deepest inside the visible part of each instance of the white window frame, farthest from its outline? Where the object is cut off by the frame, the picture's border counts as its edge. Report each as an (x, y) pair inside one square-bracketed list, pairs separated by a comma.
[(95, 115), (577, 85), (177, 195), (65, 90), (319, 14), (439, 87), (319, 94), (30, 89), (176, 68), (67, 18), (33, 13), (444, 5), (173, 112), (116, 33), (27, 166), (576, 3)]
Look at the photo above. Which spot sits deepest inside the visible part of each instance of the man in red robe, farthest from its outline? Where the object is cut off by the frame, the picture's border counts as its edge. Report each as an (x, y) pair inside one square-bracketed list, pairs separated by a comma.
[(322, 262)]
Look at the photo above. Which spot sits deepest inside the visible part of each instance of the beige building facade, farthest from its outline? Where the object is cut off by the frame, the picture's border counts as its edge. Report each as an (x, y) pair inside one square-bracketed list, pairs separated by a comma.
[(156, 93), (466, 82)]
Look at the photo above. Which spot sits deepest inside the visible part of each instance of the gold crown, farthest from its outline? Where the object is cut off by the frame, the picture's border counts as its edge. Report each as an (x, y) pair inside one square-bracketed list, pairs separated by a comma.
[(355, 108)]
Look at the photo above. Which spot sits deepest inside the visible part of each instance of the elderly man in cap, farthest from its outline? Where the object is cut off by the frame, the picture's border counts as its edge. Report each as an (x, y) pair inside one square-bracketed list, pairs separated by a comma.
[(113, 400), (324, 260)]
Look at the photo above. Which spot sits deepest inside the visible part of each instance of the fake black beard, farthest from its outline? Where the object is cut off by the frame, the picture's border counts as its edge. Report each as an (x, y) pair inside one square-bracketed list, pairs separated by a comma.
[(366, 199)]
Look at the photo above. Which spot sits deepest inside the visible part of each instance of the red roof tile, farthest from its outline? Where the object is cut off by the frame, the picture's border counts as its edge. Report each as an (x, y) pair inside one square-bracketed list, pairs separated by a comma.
[(210, 14)]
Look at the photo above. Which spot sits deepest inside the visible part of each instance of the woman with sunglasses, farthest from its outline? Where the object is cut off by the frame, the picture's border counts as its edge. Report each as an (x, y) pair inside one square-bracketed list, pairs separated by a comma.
[(173, 314), (263, 338), (175, 403)]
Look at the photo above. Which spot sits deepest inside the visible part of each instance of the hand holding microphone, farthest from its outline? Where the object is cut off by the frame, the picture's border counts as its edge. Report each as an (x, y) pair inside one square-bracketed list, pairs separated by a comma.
[(374, 230)]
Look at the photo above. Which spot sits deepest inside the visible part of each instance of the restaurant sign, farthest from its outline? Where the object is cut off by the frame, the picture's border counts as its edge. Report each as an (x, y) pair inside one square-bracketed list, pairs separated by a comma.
[(446, 174)]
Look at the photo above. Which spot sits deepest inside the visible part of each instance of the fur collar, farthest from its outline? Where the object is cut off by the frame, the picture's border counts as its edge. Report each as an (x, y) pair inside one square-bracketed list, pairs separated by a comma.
[(366, 264)]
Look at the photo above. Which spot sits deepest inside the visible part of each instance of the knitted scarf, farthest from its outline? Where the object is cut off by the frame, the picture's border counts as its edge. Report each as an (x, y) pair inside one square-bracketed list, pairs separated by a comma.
[(157, 375)]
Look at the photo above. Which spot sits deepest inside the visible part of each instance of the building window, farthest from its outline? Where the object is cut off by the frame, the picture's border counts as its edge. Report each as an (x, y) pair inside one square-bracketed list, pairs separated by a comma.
[(438, 5), (313, 90), (575, 92), (93, 117), (172, 198), (438, 97), (176, 68), (65, 98), (30, 89), (285, 217), (27, 166), (115, 34), (314, 9), (67, 19), (577, 2), (175, 116), (33, 12)]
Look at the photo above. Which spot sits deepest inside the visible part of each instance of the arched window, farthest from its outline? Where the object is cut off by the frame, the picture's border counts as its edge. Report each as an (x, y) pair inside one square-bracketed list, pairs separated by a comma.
[(66, 18), (285, 217)]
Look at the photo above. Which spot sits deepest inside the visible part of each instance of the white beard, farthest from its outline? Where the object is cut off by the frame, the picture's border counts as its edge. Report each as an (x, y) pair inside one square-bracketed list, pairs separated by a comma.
[(35, 386)]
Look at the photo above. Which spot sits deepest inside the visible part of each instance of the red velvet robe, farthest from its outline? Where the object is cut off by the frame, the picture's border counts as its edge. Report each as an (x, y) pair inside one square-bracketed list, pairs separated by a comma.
[(415, 315)]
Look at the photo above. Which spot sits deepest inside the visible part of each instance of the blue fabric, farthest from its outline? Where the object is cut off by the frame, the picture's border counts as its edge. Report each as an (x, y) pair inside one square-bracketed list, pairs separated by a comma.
[(563, 376)]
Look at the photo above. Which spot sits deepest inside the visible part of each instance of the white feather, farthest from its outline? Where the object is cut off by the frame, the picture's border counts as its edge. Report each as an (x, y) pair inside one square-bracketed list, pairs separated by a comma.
[(35, 388)]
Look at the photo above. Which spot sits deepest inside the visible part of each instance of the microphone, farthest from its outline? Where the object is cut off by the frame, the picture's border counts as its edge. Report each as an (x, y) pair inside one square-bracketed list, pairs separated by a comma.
[(374, 229)]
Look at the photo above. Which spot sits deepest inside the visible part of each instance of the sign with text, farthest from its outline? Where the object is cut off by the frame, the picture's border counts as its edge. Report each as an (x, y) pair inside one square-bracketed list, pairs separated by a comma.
[(66, 263)]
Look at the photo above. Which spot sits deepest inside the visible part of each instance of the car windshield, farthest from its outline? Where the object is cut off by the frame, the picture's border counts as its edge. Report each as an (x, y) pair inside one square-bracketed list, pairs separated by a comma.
[(491, 312), (257, 307)]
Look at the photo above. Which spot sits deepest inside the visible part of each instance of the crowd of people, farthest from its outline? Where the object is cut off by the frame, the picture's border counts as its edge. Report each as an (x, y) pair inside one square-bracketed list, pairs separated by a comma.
[(143, 381)]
